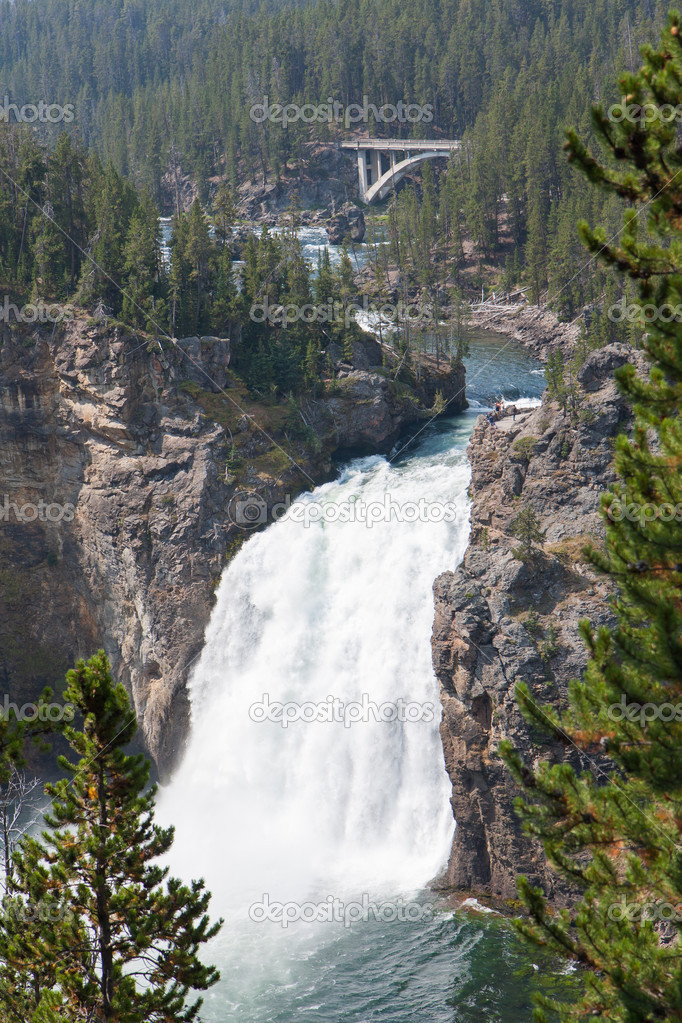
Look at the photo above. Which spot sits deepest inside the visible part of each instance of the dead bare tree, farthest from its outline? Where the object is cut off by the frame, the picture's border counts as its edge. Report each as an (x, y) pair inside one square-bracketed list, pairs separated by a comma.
[(19, 813)]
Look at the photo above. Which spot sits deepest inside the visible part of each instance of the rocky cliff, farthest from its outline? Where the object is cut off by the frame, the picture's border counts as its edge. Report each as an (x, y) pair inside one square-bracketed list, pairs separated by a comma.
[(120, 464), (503, 617)]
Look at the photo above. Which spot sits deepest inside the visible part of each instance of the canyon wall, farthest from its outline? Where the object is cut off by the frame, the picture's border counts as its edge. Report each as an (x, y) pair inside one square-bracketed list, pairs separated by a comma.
[(501, 618)]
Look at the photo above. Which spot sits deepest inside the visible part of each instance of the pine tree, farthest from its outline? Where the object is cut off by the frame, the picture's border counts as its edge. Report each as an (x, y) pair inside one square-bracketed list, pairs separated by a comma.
[(554, 374), (198, 254), (346, 285), (113, 202), (95, 929), (143, 301), (225, 213), (67, 169), (48, 253), (324, 283), (312, 364), (615, 831), (180, 306), (536, 248), (226, 304), (427, 213), (526, 526)]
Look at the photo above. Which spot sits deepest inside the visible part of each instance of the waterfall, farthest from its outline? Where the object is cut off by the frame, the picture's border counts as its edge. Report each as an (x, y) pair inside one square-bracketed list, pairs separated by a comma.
[(322, 606), (310, 612)]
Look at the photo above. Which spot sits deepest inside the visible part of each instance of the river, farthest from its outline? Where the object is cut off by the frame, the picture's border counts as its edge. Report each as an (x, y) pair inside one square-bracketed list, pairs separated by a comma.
[(313, 241)]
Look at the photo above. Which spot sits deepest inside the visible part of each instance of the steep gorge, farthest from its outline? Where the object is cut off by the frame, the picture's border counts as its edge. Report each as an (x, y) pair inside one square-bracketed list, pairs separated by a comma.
[(144, 448)]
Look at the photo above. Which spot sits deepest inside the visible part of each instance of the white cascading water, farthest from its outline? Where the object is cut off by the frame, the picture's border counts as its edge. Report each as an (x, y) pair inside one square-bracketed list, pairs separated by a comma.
[(303, 614)]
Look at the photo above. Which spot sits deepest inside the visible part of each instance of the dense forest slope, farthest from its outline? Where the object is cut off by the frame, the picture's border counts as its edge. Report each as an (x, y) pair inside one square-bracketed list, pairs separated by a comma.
[(164, 91)]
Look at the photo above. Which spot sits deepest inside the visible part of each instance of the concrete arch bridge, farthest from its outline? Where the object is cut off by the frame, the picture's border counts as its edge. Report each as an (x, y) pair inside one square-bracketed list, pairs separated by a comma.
[(383, 162)]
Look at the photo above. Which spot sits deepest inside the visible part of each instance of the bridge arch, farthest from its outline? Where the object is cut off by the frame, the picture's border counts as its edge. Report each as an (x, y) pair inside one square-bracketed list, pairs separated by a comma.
[(393, 175), (383, 162)]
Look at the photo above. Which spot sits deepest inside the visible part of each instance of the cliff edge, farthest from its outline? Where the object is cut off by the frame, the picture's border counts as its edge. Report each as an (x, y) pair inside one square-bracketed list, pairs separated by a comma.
[(504, 616)]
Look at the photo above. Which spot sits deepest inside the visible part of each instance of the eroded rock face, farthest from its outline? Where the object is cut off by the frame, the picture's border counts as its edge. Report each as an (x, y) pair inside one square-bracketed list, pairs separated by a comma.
[(349, 222), (91, 421), (368, 416), (483, 639), (134, 443), (325, 176)]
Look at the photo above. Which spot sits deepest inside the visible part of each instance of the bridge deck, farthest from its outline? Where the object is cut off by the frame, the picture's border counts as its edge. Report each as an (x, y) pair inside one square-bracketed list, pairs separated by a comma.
[(401, 145)]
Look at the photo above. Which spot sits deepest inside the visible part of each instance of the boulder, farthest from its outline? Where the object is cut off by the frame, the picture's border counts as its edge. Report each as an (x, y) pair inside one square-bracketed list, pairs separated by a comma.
[(348, 222)]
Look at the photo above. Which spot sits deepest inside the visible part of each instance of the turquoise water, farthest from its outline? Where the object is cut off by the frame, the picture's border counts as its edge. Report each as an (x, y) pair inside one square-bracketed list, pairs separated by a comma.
[(499, 368)]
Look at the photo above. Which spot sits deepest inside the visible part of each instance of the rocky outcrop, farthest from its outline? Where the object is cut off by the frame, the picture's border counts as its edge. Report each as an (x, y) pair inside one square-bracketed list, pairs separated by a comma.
[(120, 462), (92, 421), (369, 413), (322, 177), (347, 224), (504, 617)]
